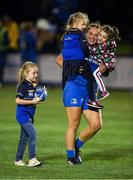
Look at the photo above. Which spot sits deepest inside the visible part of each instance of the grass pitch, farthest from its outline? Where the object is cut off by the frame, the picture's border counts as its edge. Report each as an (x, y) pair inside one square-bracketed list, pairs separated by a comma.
[(108, 155)]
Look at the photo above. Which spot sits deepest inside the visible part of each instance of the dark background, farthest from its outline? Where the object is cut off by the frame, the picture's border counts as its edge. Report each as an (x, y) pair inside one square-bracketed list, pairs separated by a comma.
[(112, 12)]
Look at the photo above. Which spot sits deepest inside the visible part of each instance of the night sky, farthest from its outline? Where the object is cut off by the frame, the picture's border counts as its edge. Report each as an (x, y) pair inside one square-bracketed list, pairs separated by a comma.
[(107, 12)]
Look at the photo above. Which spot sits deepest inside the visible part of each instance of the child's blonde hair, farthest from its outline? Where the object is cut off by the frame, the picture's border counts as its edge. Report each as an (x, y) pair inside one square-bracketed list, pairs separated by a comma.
[(25, 69), (76, 17), (112, 32)]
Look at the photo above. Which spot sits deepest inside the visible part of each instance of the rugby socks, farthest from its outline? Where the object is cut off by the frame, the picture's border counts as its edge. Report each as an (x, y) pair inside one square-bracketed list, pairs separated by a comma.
[(79, 143), (70, 154)]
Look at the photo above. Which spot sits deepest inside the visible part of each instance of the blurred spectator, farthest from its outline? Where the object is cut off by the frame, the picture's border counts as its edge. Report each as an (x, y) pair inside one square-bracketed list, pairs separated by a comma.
[(61, 9), (3, 50), (27, 42), (13, 32), (46, 36), (57, 11)]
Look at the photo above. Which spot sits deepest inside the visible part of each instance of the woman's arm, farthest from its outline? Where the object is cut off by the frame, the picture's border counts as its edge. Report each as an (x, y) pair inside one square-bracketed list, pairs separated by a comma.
[(59, 60)]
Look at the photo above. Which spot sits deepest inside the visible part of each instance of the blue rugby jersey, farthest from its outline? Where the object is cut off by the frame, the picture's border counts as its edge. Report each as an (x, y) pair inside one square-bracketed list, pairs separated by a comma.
[(74, 51), (26, 91), (74, 45)]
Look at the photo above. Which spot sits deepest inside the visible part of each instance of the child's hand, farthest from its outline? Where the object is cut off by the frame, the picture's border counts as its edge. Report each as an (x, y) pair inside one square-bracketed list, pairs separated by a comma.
[(36, 100), (102, 68)]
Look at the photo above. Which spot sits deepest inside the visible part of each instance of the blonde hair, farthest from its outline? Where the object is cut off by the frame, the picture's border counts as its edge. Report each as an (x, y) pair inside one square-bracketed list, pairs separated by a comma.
[(112, 32), (76, 17), (24, 70), (95, 25)]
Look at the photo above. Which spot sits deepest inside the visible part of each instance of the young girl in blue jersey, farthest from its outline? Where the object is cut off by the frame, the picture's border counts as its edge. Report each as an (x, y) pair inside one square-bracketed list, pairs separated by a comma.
[(25, 110)]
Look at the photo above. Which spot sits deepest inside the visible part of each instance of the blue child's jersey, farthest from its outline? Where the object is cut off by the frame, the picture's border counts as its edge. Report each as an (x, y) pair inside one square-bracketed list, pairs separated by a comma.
[(74, 45), (74, 51), (25, 113)]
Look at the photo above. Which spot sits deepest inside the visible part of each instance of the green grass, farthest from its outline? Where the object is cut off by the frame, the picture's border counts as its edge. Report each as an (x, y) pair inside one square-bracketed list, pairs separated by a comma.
[(124, 49), (108, 155)]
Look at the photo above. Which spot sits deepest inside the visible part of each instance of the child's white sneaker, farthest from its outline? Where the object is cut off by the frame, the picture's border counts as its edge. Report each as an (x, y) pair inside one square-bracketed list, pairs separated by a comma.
[(34, 162), (19, 163)]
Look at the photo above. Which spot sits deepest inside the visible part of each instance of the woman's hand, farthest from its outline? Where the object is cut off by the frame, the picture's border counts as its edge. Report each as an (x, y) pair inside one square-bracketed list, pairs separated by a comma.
[(102, 67)]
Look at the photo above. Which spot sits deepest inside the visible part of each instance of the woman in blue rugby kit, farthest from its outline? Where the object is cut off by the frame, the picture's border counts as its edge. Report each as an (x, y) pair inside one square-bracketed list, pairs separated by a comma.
[(25, 110), (75, 96)]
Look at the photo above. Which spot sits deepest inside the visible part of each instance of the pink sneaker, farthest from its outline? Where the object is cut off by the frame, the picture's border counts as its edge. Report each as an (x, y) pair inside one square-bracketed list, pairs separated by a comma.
[(103, 95), (95, 104)]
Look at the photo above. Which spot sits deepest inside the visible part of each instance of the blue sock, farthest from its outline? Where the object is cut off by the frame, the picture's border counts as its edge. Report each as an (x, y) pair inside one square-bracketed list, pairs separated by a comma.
[(78, 143), (70, 154)]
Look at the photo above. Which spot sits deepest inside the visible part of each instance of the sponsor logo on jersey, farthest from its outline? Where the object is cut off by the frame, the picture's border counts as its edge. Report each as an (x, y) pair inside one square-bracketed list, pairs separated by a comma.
[(74, 101)]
